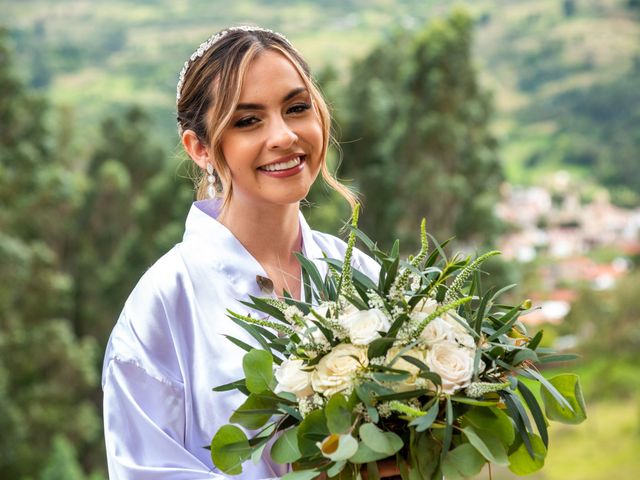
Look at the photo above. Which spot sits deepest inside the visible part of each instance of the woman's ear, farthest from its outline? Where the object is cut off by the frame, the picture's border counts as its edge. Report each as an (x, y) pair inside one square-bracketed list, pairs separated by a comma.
[(195, 148)]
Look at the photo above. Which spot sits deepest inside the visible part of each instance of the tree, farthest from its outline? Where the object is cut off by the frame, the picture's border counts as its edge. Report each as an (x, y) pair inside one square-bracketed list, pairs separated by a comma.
[(132, 212), (416, 136), (47, 374)]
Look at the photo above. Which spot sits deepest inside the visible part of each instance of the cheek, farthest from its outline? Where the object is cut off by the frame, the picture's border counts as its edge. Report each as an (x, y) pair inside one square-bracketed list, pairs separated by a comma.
[(315, 136), (238, 151)]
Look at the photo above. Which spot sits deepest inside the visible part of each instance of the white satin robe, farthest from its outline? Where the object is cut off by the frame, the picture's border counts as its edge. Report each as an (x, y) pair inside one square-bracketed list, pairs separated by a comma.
[(168, 350)]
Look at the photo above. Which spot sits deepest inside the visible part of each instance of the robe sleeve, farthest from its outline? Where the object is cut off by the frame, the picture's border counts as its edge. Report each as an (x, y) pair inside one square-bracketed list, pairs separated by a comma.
[(144, 427), (144, 421)]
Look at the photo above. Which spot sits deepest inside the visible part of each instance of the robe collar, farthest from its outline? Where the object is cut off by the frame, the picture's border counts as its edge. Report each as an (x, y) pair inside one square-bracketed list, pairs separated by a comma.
[(211, 245)]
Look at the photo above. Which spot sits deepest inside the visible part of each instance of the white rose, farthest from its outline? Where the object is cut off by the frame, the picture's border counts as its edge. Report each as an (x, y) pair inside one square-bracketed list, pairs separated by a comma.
[(459, 331), (453, 363), (402, 364), (437, 330), (335, 372), (447, 329), (363, 325), (292, 378)]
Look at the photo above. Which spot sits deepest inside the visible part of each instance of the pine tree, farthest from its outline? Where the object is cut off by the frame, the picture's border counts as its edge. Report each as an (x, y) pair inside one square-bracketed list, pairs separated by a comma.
[(416, 136), (47, 374)]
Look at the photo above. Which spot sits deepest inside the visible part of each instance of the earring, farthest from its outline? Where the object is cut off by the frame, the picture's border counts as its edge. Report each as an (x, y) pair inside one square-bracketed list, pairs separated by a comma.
[(211, 181)]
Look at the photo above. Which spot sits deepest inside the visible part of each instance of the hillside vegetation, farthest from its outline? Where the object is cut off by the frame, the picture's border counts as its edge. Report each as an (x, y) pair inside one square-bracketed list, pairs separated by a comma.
[(564, 73)]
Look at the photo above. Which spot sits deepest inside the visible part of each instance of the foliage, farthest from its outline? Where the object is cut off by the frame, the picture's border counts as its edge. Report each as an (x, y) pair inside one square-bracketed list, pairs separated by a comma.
[(72, 244), (406, 367), (416, 137)]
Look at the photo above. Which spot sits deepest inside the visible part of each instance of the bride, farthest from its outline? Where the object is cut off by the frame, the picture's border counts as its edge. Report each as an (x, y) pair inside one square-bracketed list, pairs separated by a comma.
[(252, 119)]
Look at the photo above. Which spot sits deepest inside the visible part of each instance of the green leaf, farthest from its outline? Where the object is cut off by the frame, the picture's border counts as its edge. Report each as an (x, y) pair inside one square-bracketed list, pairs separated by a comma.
[(463, 461), (254, 412), (301, 475), (379, 347), (518, 415), (474, 401), (507, 320), (372, 471), (549, 387), (494, 420), (258, 368), (365, 455), (448, 431), (229, 448), (237, 385), (488, 444), (336, 469), (567, 385), (525, 354), (379, 441), (251, 330), (312, 429), (285, 448), (424, 422), (536, 411), (423, 455), (310, 268), (521, 462), (338, 414), (239, 343)]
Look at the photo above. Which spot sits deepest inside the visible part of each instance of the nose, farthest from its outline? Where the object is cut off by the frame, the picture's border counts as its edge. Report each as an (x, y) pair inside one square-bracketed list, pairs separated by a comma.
[(281, 136)]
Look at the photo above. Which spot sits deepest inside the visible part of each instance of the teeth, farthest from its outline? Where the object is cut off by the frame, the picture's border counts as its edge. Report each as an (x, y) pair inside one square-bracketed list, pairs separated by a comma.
[(282, 166)]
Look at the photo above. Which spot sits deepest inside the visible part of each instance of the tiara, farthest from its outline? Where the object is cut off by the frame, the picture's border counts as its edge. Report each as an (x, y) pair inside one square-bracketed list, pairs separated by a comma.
[(210, 43)]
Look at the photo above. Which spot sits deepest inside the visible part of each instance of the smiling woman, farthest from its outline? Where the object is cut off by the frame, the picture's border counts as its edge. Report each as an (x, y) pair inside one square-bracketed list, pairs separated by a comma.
[(253, 121)]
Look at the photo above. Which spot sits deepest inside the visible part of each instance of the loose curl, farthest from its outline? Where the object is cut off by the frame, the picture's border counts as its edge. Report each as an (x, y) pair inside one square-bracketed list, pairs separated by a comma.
[(211, 90)]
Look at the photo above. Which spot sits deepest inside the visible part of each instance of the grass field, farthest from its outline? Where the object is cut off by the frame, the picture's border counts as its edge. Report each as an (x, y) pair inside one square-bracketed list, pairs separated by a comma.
[(605, 446)]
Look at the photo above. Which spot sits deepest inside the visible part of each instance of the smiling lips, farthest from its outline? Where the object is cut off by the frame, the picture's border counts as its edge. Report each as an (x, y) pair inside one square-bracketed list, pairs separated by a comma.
[(284, 168)]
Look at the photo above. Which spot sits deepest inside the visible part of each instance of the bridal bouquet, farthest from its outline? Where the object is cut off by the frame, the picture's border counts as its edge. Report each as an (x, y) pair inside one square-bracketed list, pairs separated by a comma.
[(421, 366)]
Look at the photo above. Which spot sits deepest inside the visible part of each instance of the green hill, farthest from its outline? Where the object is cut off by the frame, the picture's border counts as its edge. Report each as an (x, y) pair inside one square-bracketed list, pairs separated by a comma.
[(563, 73)]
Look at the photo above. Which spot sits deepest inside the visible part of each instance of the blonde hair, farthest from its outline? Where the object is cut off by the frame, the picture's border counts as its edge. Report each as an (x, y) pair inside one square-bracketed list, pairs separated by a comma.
[(211, 91)]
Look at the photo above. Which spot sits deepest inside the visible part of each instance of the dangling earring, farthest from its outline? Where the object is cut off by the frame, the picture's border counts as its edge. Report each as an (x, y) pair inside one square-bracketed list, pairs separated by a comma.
[(211, 181)]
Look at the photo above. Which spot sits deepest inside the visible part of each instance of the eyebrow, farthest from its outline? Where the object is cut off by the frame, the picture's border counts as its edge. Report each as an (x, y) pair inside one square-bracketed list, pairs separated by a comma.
[(257, 106)]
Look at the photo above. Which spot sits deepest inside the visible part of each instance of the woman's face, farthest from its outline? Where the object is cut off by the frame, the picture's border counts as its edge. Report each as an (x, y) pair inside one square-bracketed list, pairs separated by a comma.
[(274, 140)]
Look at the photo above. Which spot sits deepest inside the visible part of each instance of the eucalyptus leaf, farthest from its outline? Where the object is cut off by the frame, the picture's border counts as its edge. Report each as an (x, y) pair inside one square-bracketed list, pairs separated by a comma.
[(254, 412), (312, 430), (494, 420), (567, 385), (285, 448), (338, 414), (301, 475), (521, 463), (488, 444), (463, 461), (258, 369), (379, 441), (365, 455), (227, 459), (425, 421)]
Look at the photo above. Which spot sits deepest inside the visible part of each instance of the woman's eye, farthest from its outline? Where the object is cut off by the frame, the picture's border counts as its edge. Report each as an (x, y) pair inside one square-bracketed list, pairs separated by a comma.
[(246, 122), (299, 108)]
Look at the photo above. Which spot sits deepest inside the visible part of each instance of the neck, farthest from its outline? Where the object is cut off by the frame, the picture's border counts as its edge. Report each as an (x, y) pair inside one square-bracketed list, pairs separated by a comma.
[(271, 233)]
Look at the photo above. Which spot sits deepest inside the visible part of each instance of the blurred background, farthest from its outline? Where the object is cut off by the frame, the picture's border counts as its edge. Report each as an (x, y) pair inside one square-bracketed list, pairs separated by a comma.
[(508, 124)]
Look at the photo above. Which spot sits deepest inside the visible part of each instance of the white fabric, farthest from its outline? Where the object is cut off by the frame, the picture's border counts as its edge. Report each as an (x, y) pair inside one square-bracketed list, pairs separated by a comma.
[(167, 351)]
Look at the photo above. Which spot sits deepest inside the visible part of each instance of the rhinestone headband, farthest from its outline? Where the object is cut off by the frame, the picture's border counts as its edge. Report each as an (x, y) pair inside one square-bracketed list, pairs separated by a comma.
[(210, 43)]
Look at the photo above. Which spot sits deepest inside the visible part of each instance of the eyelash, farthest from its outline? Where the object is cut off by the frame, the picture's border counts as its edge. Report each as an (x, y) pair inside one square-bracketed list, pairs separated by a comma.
[(252, 120)]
